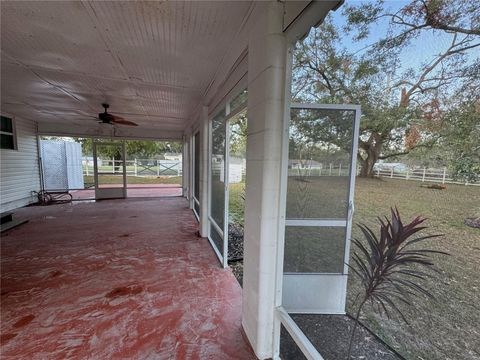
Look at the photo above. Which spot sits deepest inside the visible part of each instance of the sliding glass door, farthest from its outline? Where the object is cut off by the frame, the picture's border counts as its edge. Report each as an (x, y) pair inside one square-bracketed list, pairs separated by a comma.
[(218, 206), (219, 172), (196, 175)]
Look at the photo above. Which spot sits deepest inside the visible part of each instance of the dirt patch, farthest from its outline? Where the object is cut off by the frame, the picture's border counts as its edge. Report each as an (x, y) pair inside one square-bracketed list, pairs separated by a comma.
[(235, 250), (235, 242), (24, 321), (237, 270), (434, 186), (473, 222), (124, 291), (330, 334)]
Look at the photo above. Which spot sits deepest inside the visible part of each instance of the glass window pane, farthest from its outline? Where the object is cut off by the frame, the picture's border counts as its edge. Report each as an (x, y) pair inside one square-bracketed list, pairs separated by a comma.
[(196, 207), (319, 163), (239, 101), (311, 249), (217, 170), (6, 124), (236, 183), (289, 350), (6, 141), (216, 238), (196, 171)]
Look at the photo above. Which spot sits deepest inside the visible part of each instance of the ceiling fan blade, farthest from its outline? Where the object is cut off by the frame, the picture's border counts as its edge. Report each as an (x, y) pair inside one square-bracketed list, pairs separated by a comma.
[(121, 121)]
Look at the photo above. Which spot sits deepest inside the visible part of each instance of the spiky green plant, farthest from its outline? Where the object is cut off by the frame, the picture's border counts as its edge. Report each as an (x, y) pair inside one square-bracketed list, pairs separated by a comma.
[(387, 266)]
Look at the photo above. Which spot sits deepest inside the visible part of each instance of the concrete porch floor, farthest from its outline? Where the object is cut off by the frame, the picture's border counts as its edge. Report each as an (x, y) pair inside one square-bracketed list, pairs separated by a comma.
[(116, 279), (135, 190)]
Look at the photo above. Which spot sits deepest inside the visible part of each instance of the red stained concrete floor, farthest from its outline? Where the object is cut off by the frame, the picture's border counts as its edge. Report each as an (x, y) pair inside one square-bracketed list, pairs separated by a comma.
[(116, 279), (137, 190)]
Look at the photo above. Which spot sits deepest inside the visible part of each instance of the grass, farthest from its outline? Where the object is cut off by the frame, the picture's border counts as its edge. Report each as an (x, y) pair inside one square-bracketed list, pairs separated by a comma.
[(116, 179), (447, 328)]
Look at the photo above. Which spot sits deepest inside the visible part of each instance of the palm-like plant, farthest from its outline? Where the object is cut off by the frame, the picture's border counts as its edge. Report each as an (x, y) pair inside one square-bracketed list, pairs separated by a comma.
[(388, 266)]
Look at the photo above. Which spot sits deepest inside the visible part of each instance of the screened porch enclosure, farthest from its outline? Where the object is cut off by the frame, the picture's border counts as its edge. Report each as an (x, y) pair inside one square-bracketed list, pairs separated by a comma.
[(89, 168)]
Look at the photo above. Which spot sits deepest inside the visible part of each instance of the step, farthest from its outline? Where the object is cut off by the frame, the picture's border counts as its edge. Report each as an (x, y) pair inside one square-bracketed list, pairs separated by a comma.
[(11, 224), (6, 217)]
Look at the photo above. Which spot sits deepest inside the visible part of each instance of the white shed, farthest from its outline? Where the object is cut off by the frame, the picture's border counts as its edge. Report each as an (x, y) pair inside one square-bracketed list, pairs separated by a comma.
[(61, 165)]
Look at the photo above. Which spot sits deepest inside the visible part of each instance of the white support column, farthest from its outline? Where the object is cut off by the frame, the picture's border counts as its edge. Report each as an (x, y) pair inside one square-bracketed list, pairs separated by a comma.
[(267, 55), (185, 166), (190, 170), (204, 172)]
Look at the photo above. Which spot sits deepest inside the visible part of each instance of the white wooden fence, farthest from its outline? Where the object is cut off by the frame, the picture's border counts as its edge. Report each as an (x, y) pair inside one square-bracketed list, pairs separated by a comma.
[(136, 167), (441, 176)]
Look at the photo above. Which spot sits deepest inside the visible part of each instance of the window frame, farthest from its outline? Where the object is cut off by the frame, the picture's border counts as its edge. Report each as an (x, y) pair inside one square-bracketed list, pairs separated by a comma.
[(13, 134)]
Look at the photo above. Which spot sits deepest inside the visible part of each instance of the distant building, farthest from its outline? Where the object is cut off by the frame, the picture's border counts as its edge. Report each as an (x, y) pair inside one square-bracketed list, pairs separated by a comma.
[(304, 164), (173, 156)]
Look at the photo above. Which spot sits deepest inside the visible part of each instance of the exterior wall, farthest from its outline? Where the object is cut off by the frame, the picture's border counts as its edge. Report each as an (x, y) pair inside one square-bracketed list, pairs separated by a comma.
[(19, 173)]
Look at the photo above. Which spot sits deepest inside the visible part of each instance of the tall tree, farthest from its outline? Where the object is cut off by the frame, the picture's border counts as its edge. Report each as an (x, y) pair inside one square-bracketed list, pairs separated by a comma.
[(461, 139), (238, 136), (394, 97), (140, 149)]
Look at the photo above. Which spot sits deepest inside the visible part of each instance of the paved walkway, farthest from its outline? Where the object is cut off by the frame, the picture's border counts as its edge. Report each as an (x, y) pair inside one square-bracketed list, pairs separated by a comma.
[(135, 190), (116, 279)]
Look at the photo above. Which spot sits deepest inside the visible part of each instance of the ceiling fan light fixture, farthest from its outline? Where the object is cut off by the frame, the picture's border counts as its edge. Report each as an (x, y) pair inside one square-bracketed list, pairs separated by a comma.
[(106, 118)]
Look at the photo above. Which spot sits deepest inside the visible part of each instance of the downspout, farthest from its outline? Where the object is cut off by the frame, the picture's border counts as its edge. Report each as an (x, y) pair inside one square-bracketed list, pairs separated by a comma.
[(39, 159)]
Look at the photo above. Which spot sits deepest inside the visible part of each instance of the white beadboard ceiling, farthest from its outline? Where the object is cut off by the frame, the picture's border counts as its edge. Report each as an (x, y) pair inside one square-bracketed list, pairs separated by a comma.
[(151, 61)]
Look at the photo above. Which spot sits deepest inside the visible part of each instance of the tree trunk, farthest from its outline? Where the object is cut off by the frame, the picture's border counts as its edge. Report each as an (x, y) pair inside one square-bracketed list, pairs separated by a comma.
[(367, 164), (118, 158)]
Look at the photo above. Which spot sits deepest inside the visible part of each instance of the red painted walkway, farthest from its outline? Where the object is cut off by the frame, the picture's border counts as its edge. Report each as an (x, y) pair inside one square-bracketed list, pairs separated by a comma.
[(116, 279), (136, 190)]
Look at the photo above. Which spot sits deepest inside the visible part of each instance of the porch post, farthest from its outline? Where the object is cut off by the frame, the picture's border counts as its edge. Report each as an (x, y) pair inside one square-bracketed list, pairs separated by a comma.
[(267, 53), (191, 170), (204, 172), (185, 167)]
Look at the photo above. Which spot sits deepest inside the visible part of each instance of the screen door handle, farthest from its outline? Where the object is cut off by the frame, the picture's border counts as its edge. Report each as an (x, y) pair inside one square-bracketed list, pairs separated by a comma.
[(351, 208)]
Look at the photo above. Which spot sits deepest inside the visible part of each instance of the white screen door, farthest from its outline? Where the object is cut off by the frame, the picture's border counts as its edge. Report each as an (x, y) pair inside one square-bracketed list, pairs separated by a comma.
[(218, 206), (109, 170), (196, 175), (323, 141)]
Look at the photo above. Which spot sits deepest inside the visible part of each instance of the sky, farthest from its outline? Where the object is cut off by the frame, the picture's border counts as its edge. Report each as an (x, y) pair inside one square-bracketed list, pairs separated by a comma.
[(421, 50)]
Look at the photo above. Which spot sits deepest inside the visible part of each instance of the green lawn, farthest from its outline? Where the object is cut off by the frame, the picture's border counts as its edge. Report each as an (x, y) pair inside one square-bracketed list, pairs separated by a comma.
[(116, 179), (447, 328)]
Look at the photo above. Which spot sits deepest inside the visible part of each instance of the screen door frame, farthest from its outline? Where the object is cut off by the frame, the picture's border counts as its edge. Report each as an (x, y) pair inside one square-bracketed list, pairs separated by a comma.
[(300, 291), (109, 192)]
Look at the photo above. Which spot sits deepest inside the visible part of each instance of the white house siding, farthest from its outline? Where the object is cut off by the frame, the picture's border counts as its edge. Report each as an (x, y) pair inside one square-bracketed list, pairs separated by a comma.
[(19, 174)]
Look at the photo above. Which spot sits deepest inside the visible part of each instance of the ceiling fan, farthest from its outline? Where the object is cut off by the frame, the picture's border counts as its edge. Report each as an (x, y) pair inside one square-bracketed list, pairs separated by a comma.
[(107, 118)]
